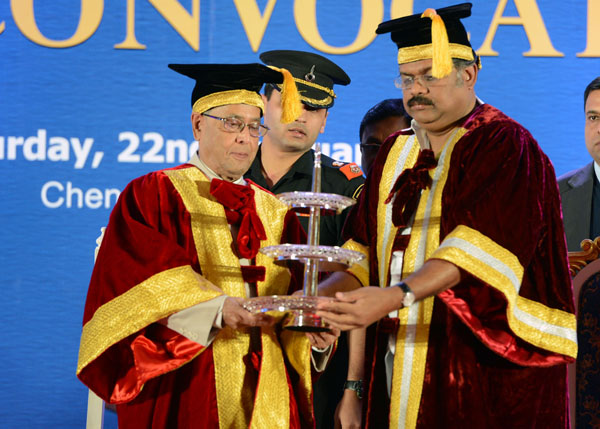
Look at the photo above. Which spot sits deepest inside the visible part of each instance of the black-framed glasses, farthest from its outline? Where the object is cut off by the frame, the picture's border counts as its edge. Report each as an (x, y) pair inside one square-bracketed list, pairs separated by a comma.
[(236, 125)]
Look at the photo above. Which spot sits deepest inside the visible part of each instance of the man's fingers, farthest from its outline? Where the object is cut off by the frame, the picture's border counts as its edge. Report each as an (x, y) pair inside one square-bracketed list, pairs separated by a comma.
[(260, 319), (346, 296), (316, 341), (323, 339), (342, 322), (337, 307)]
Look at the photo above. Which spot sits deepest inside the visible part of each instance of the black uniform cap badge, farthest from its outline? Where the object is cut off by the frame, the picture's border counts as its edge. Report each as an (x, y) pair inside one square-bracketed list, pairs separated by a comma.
[(310, 76)]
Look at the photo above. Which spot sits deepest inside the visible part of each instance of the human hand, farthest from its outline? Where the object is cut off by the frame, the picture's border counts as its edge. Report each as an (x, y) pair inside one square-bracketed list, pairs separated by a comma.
[(237, 317), (360, 308), (348, 414), (322, 340)]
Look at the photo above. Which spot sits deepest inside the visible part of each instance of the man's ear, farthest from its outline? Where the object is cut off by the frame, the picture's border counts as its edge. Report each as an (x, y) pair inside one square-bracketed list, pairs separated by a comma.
[(264, 98), (470, 75), (197, 122)]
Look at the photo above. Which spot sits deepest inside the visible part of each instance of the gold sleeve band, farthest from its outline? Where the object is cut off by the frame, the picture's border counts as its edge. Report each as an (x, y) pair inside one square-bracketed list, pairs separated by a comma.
[(155, 298), (360, 269), (547, 328)]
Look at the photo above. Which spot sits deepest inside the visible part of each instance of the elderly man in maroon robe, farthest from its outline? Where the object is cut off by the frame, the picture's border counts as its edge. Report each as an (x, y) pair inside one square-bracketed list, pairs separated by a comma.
[(165, 335)]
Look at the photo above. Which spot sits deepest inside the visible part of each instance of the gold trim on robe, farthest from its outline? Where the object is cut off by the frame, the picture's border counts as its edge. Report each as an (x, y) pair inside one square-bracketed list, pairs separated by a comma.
[(360, 269), (413, 333), (222, 267), (547, 328), (405, 150), (157, 297)]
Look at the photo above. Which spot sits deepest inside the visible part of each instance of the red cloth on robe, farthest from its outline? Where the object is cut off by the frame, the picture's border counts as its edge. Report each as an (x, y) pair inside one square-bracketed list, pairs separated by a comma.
[(157, 377), (478, 372)]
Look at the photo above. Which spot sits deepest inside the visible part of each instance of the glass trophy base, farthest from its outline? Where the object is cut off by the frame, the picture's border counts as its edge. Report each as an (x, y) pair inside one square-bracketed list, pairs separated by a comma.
[(329, 204), (300, 310)]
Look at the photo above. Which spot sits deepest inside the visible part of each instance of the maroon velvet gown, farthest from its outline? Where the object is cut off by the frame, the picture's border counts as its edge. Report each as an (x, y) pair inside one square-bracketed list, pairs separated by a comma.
[(494, 348), (166, 245)]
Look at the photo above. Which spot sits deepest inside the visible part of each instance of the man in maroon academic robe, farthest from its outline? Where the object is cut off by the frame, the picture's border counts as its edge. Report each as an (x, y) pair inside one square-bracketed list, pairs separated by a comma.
[(165, 335), (460, 220)]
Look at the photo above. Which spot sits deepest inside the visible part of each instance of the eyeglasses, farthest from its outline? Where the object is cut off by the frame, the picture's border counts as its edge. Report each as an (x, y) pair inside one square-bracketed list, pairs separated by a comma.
[(425, 80), (235, 125)]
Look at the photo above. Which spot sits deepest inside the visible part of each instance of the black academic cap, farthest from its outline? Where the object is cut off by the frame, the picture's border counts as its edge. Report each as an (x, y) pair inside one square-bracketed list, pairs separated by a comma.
[(221, 84), (434, 34), (314, 74)]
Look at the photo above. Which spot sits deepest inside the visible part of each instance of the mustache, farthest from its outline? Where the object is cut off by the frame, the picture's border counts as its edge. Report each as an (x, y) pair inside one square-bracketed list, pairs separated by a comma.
[(419, 99)]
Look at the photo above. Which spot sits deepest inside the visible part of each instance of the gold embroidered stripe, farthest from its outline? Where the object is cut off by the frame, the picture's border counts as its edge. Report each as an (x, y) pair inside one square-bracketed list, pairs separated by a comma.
[(405, 151), (358, 191), (424, 52), (316, 86), (412, 339), (155, 298), (361, 268), (272, 403), (325, 101), (270, 398), (298, 352), (234, 96), (272, 213), (220, 265), (547, 328), (209, 228)]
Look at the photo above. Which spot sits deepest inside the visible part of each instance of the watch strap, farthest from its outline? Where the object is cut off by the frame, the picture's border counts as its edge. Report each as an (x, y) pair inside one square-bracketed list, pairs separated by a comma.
[(356, 386), (409, 296)]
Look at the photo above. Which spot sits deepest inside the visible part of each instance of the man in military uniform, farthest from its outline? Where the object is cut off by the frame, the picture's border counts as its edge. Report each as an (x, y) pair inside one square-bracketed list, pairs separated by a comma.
[(284, 163)]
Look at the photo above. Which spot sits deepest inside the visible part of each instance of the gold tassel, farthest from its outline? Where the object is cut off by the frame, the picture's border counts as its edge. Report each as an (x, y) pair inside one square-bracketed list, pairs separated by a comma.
[(291, 106), (442, 61)]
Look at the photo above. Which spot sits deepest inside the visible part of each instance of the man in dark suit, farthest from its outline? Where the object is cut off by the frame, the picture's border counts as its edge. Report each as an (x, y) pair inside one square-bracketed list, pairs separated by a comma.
[(580, 189)]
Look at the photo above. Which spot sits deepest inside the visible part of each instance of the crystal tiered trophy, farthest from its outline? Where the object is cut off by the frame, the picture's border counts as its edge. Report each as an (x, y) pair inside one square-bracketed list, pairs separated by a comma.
[(302, 308)]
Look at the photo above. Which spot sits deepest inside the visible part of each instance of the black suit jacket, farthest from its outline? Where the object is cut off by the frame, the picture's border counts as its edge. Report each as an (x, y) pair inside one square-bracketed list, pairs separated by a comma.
[(576, 190)]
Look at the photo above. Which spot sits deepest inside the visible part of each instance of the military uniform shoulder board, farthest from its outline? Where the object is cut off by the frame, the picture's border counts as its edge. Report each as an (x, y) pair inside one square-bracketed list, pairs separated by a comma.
[(351, 170)]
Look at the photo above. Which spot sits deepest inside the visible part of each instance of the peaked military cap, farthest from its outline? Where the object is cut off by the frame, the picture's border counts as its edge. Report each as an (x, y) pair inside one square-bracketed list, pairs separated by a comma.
[(314, 75), (434, 34)]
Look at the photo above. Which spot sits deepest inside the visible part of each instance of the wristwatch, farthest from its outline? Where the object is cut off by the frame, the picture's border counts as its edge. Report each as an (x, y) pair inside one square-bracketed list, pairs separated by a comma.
[(409, 296), (355, 385)]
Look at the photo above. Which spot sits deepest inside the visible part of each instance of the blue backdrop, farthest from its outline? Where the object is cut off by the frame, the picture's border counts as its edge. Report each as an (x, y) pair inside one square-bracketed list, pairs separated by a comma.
[(87, 104)]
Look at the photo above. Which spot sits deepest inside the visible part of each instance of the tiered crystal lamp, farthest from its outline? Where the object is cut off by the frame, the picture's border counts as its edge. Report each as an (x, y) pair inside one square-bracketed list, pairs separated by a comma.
[(315, 257)]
